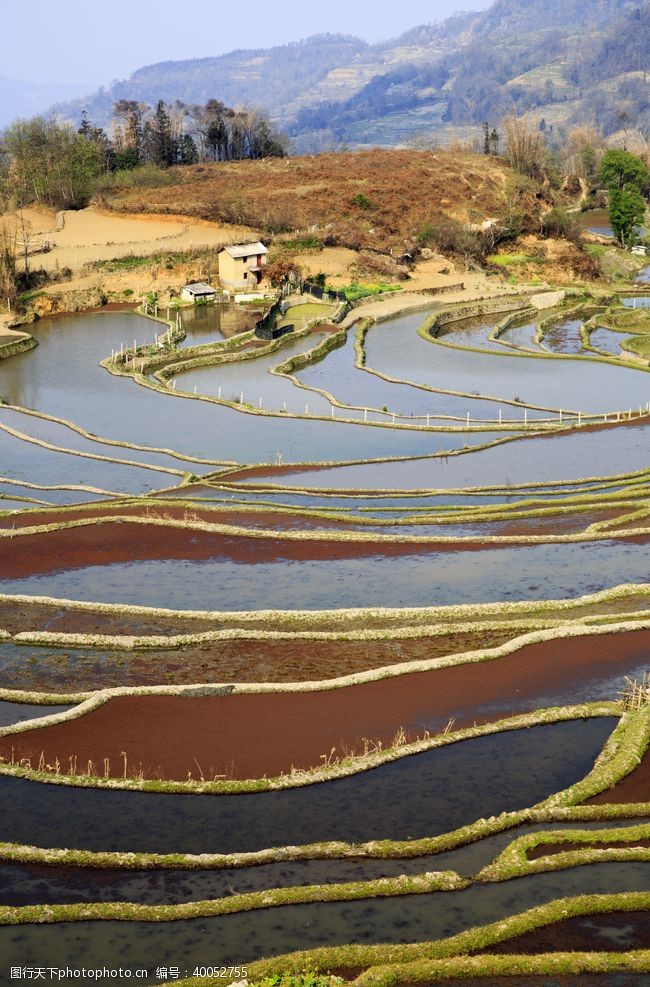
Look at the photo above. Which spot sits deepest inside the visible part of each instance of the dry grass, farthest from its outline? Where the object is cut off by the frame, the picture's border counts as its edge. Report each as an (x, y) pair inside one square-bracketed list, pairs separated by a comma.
[(404, 189)]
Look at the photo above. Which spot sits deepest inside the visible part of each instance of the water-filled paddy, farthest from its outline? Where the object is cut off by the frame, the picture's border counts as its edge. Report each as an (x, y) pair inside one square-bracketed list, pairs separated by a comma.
[(563, 337), (295, 728), (529, 765), (523, 336), (529, 572), (27, 884), (19, 712), (23, 460), (253, 379), (570, 456), (608, 340), (251, 935), (338, 375), (597, 221), (210, 323), (70, 348), (395, 348), (67, 438)]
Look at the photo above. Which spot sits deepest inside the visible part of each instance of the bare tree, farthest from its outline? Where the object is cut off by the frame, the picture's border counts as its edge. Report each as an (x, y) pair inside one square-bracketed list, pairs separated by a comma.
[(525, 147)]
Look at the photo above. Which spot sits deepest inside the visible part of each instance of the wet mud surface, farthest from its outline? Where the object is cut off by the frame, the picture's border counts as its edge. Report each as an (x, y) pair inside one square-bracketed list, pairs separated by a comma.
[(252, 736)]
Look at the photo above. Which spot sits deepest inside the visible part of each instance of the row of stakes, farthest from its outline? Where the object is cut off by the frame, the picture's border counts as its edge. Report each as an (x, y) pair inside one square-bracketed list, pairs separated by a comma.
[(620, 415), (616, 416)]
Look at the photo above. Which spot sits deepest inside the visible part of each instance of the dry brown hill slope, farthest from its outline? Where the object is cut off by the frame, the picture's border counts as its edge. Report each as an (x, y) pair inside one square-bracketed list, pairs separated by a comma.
[(377, 199)]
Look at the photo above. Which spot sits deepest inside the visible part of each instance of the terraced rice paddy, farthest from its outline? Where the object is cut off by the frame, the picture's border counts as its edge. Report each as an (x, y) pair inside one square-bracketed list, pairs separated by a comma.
[(313, 646)]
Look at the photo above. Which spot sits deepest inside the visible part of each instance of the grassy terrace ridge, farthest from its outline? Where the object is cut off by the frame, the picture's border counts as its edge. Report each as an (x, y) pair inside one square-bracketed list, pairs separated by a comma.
[(90, 700), (529, 508), (384, 965), (255, 900), (330, 850), (103, 440), (514, 862), (317, 620), (217, 354), (90, 455), (429, 332), (346, 766), (187, 523)]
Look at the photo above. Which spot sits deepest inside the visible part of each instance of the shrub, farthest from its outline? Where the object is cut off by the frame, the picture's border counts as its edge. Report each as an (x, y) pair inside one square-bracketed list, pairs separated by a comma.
[(145, 176), (361, 201), (560, 224)]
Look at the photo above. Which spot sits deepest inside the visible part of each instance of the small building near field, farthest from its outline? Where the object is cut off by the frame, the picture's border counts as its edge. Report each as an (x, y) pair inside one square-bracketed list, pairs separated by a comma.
[(198, 291), (241, 267)]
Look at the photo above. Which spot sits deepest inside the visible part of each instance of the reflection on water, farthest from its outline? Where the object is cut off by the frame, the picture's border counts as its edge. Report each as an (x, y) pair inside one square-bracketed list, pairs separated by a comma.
[(71, 347), (18, 712), (208, 323), (422, 578), (416, 796), (395, 348), (570, 456), (244, 937)]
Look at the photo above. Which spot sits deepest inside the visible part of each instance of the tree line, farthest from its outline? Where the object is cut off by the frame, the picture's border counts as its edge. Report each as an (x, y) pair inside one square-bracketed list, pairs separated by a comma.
[(42, 160)]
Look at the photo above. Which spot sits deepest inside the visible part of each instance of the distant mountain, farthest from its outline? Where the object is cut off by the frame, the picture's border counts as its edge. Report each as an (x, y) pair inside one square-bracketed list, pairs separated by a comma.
[(566, 61), (27, 99)]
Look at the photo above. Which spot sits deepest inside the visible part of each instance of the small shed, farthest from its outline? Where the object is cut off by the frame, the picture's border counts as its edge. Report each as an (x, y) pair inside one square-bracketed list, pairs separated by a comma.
[(241, 265), (198, 290)]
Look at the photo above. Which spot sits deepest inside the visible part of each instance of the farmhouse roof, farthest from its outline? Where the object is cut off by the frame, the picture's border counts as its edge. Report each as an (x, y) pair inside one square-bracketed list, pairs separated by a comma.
[(246, 249), (199, 288)]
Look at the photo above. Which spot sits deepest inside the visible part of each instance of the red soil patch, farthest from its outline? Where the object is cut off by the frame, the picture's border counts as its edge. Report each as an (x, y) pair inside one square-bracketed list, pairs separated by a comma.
[(635, 787), (215, 515), (551, 849), (612, 932), (248, 736), (103, 544), (120, 541), (64, 670)]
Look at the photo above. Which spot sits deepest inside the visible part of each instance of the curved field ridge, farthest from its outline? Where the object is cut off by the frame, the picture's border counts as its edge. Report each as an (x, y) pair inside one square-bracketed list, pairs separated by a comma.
[(296, 722), (470, 737)]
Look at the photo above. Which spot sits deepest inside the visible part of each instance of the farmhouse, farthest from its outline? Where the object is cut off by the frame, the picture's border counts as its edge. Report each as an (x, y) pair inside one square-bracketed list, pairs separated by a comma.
[(240, 266), (198, 290)]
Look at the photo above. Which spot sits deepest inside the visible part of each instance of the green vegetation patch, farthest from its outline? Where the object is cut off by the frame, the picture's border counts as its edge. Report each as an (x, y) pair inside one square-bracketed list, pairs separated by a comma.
[(510, 260), (361, 289)]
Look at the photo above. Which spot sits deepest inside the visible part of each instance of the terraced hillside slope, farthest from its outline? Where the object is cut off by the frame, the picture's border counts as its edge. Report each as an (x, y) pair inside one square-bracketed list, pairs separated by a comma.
[(565, 61)]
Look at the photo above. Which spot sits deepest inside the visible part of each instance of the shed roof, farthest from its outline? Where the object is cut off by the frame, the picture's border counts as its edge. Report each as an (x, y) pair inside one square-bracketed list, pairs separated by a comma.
[(199, 288), (246, 249)]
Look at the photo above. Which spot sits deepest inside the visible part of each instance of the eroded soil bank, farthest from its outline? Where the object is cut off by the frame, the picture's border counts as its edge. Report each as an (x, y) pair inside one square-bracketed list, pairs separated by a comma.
[(253, 735)]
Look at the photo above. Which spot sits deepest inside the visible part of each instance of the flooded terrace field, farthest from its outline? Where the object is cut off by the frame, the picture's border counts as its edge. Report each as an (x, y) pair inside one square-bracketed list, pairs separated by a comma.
[(530, 765), (251, 935)]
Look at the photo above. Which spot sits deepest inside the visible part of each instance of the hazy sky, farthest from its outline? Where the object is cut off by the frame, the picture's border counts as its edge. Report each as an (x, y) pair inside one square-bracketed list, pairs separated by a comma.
[(85, 41)]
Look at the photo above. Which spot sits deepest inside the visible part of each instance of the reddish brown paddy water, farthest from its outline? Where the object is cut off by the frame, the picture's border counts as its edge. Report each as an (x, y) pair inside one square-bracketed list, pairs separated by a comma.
[(247, 736)]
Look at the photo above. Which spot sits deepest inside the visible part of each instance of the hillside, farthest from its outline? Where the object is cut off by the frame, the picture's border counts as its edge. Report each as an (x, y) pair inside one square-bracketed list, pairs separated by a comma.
[(564, 61), (374, 199), (19, 98)]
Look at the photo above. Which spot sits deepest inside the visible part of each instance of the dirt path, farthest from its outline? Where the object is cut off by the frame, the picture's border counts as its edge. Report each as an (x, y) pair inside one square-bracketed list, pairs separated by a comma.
[(78, 237)]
